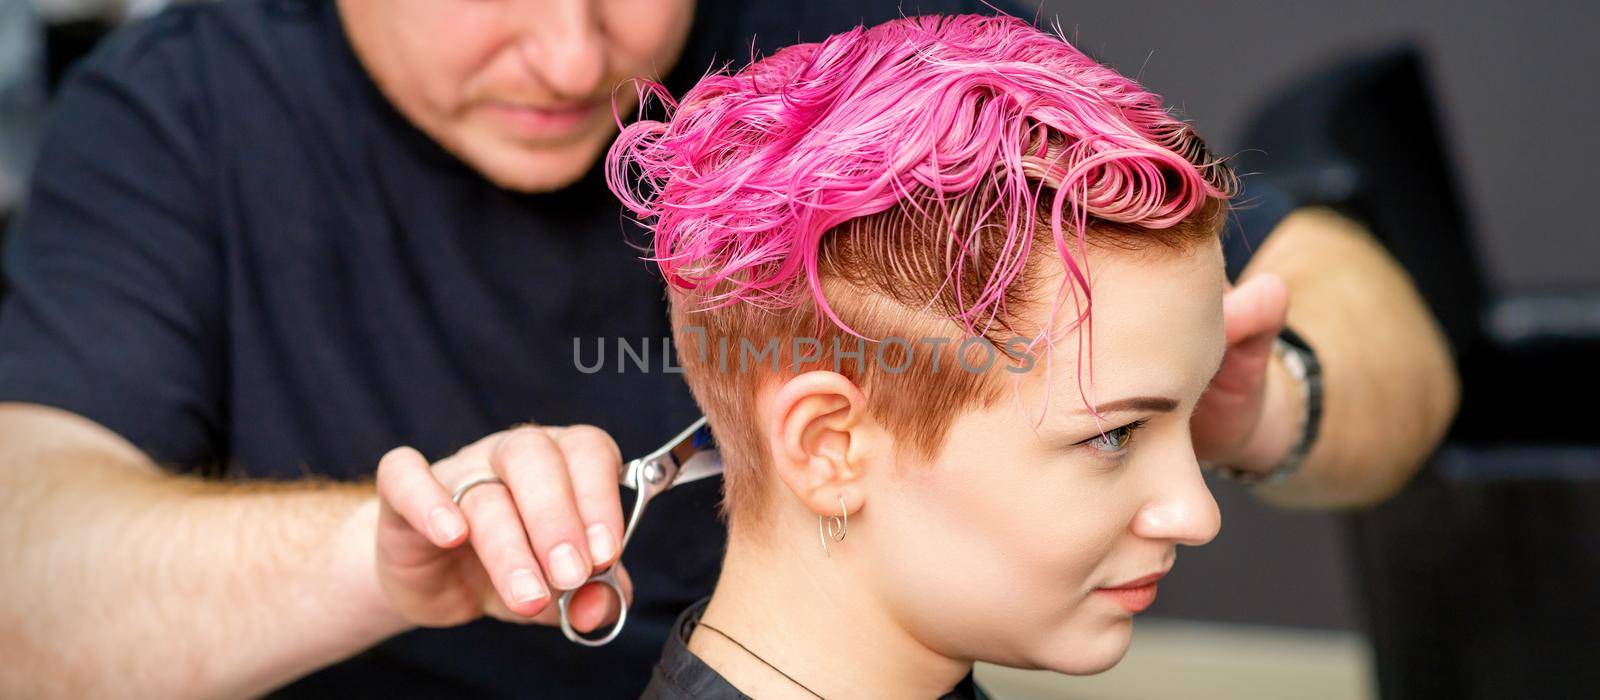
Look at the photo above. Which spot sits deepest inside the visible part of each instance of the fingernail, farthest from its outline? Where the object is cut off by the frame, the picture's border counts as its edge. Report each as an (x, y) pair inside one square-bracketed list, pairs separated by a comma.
[(525, 586), (446, 525), (601, 544), (566, 566)]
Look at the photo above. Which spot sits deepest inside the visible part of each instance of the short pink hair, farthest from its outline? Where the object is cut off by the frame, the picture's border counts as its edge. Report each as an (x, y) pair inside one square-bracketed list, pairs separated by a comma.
[(918, 161)]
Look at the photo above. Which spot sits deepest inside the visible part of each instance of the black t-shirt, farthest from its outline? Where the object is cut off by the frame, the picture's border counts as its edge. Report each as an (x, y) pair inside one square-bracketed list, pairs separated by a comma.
[(238, 256)]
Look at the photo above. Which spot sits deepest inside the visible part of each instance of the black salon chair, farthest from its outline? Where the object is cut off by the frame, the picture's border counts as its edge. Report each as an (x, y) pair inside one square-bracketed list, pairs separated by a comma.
[(1482, 578)]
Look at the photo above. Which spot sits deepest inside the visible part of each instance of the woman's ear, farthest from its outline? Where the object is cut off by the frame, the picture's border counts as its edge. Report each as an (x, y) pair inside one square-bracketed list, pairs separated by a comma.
[(822, 440)]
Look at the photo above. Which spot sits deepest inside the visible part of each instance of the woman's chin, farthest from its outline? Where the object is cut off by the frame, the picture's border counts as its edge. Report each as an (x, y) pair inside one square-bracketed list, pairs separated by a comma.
[(1087, 655)]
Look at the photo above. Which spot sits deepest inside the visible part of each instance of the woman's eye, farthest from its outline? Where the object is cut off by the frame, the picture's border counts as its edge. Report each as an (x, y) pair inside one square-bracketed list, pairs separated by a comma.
[(1116, 439)]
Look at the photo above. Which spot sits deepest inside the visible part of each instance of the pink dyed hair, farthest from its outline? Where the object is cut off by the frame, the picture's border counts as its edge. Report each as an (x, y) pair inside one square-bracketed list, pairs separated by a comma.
[(750, 171), (917, 161)]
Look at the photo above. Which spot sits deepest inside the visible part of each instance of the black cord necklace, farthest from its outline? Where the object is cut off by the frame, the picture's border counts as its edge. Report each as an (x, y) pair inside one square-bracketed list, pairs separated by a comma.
[(746, 649)]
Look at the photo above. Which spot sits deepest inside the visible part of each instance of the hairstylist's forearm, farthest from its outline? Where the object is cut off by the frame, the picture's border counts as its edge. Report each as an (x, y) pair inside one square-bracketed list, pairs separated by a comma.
[(1391, 388), (122, 580)]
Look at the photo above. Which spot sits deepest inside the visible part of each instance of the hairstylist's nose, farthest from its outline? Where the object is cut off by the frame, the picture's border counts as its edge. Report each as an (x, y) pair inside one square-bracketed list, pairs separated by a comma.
[(1182, 511), (563, 45)]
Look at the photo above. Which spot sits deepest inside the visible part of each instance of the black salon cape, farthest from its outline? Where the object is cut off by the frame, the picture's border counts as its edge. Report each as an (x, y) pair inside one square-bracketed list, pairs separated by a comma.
[(680, 675), (236, 255)]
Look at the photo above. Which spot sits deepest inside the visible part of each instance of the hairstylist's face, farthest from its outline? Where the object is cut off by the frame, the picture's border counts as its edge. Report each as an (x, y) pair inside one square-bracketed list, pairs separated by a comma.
[(1004, 548), (518, 89)]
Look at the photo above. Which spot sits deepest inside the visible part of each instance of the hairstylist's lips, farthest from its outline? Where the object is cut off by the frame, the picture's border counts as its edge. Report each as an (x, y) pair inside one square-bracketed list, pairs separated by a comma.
[(539, 122), (1134, 596)]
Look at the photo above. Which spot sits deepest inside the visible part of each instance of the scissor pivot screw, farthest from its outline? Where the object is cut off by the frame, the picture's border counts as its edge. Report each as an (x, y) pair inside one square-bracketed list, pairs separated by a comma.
[(653, 472)]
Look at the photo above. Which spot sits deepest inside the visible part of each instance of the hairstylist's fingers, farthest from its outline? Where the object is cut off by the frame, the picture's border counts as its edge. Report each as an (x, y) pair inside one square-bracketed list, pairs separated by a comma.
[(407, 487), (494, 606), (592, 607), (502, 547), (1255, 309), (531, 464), (594, 461), (1253, 315)]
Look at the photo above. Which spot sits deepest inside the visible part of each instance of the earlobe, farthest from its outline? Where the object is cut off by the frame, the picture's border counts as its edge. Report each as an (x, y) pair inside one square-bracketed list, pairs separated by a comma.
[(818, 421)]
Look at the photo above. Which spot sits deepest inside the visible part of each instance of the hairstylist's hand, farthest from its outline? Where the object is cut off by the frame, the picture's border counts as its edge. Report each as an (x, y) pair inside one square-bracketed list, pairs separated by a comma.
[(1230, 424), (508, 550)]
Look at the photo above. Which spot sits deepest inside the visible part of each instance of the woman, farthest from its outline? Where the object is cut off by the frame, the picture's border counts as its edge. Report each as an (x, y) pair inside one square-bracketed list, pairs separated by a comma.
[(948, 291)]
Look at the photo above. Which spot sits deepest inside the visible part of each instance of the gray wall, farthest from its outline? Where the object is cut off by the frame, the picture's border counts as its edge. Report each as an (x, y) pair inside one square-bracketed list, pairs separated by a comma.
[(1517, 90), (1516, 83)]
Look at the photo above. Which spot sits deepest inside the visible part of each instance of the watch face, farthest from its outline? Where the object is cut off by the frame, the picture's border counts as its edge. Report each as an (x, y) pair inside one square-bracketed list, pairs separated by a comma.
[(1294, 359)]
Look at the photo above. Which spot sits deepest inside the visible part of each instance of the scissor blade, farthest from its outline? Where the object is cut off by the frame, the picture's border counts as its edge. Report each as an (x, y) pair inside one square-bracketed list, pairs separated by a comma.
[(680, 450), (705, 463)]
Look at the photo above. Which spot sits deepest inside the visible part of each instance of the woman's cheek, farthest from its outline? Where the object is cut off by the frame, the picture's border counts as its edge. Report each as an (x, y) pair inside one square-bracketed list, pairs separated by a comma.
[(1079, 547)]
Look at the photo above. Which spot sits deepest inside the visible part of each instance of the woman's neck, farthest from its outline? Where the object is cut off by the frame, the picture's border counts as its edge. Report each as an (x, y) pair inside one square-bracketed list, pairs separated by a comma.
[(809, 617)]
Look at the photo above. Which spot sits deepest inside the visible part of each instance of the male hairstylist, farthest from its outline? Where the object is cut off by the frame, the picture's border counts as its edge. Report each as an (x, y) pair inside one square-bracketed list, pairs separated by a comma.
[(270, 241)]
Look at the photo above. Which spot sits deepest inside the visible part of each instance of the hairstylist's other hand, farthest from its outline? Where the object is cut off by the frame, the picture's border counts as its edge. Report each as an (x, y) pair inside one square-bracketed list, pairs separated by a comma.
[(1231, 425), (509, 550)]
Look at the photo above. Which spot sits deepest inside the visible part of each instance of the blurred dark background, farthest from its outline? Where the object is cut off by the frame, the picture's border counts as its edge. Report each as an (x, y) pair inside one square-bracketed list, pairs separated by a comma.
[(1514, 83)]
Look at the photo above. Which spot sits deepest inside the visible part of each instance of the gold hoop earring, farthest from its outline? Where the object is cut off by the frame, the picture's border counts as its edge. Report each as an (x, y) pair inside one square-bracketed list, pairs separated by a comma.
[(835, 528)]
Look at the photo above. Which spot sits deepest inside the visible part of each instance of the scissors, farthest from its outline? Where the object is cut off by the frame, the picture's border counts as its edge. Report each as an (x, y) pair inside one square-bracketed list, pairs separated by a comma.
[(691, 456)]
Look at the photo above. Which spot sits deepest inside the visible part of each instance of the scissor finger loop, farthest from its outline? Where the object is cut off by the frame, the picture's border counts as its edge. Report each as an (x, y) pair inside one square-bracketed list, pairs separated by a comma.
[(690, 456), (607, 578)]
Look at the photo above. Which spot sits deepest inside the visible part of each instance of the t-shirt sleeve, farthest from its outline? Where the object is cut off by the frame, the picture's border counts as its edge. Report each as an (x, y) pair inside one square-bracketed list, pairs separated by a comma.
[(1257, 210), (114, 306)]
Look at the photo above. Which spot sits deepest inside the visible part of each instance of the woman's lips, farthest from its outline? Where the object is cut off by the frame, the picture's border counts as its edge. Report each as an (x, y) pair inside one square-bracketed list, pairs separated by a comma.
[(539, 122), (1134, 596)]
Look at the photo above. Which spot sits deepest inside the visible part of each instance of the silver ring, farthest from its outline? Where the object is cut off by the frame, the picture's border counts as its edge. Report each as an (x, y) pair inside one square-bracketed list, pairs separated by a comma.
[(461, 491)]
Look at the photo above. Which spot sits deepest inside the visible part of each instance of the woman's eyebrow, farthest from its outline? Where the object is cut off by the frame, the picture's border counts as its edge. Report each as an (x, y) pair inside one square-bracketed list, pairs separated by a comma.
[(1153, 404)]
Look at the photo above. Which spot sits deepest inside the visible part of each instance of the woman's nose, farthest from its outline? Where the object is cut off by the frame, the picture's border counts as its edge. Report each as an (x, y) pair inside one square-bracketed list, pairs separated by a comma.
[(564, 45), (1182, 511)]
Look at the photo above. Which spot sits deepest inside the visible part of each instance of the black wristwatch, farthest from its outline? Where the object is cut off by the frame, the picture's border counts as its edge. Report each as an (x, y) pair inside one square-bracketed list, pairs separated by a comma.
[(1301, 361)]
